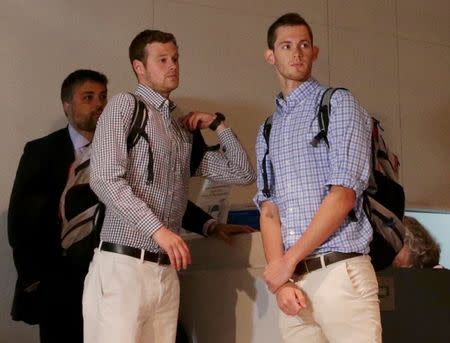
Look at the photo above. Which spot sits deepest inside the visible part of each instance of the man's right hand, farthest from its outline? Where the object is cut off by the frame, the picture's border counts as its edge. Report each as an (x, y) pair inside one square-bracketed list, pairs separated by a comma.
[(290, 299), (174, 246)]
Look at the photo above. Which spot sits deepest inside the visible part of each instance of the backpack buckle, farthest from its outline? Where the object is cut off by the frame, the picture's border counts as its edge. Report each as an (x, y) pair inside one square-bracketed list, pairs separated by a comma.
[(321, 135)]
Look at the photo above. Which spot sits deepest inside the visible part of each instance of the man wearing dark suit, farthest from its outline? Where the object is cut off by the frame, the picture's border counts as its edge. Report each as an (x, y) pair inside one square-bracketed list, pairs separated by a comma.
[(50, 284), (48, 290)]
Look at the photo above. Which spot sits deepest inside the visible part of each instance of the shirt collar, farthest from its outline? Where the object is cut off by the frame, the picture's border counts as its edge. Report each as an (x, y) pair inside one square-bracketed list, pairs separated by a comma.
[(300, 93), (156, 99), (78, 140)]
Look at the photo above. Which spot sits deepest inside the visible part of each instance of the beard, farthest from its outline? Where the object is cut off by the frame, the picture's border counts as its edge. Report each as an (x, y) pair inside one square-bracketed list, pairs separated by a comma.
[(88, 124)]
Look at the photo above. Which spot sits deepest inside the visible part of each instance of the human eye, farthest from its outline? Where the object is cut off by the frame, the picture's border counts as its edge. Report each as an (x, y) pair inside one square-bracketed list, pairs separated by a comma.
[(305, 45), (88, 97), (285, 46), (163, 60)]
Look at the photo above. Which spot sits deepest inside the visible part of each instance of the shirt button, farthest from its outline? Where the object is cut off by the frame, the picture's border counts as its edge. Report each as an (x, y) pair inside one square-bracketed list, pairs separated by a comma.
[(291, 232), (290, 209)]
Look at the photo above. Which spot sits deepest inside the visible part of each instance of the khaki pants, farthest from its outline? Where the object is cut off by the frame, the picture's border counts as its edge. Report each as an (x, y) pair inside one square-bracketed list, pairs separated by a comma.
[(127, 300), (342, 305)]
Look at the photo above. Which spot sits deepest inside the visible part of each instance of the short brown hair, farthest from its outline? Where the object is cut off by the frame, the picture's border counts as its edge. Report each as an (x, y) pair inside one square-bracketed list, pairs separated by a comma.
[(137, 50), (424, 251), (288, 19)]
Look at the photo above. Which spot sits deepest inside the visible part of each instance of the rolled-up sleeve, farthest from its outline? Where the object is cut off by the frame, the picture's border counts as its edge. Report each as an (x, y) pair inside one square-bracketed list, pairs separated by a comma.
[(349, 135)]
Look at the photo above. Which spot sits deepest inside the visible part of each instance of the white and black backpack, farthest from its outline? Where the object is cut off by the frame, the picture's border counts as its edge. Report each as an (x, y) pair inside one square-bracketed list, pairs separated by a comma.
[(81, 211)]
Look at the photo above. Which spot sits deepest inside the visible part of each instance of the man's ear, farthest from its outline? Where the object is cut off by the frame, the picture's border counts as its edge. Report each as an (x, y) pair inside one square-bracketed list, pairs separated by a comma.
[(66, 107), (138, 67), (269, 56), (315, 52)]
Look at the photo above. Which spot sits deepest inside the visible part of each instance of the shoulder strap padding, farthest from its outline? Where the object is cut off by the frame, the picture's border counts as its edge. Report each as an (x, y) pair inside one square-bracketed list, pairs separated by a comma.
[(266, 134), (137, 130), (138, 123), (323, 116), (266, 130)]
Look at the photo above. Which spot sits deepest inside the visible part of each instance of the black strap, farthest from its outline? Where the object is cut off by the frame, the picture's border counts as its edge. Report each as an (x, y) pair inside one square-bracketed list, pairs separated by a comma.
[(137, 130), (138, 123), (199, 148), (81, 166), (323, 116), (266, 134)]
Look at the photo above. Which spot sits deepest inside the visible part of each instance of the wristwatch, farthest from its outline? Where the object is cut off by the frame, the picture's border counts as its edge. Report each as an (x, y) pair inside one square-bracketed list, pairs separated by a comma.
[(216, 122)]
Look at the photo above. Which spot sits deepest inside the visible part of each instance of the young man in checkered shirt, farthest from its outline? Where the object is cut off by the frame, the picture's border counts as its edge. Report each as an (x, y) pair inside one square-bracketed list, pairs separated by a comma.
[(132, 291)]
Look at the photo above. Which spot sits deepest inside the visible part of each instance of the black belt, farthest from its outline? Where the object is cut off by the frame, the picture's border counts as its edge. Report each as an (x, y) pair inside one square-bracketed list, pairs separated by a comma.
[(310, 264), (159, 258)]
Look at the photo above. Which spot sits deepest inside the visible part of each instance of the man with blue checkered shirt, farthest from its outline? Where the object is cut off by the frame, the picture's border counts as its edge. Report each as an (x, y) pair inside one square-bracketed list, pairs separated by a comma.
[(318, 267)]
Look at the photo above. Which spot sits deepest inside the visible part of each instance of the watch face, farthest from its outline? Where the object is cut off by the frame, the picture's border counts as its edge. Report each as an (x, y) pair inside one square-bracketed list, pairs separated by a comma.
[(220, 116)]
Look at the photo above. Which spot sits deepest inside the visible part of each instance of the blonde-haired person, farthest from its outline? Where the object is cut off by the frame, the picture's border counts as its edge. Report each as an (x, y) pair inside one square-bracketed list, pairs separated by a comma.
[(420, 250)]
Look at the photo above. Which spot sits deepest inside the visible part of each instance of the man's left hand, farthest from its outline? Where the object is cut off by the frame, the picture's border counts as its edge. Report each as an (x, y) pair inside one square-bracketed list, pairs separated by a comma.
[(226, 232), (278, 272)]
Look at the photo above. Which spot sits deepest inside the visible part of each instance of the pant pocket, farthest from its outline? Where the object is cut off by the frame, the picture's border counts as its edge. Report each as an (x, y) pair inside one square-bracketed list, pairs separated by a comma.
[(362, 278)]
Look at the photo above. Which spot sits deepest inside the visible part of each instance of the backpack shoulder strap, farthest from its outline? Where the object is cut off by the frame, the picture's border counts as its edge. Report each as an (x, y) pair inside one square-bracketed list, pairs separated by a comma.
[(266, 134), (137, 130), (266, 130), (199, 148), (323, 116), (138, 123)]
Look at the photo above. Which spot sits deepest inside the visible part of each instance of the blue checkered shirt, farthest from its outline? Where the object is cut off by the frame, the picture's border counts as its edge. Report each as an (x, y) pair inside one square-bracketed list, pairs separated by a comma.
[(300, 175)]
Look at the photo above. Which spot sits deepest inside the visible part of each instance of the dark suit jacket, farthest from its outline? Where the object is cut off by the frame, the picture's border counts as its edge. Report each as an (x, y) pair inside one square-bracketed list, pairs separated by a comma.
[(33, 219), (34, 226)]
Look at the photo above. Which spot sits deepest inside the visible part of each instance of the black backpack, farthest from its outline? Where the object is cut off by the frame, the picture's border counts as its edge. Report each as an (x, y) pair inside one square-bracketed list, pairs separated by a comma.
[(81, 211), (384, 199)]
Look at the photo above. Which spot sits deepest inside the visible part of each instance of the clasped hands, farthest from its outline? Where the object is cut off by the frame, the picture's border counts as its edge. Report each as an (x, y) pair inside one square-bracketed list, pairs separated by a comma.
[(277, 275)]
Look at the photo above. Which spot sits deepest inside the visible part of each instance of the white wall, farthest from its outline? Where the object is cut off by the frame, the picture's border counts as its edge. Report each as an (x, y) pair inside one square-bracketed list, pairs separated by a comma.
[(393, 54)]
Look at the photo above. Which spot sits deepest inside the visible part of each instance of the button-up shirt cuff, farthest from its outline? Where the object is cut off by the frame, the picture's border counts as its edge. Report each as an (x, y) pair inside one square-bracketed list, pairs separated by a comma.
[(347, 181), (259, 198), (225, 135)]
